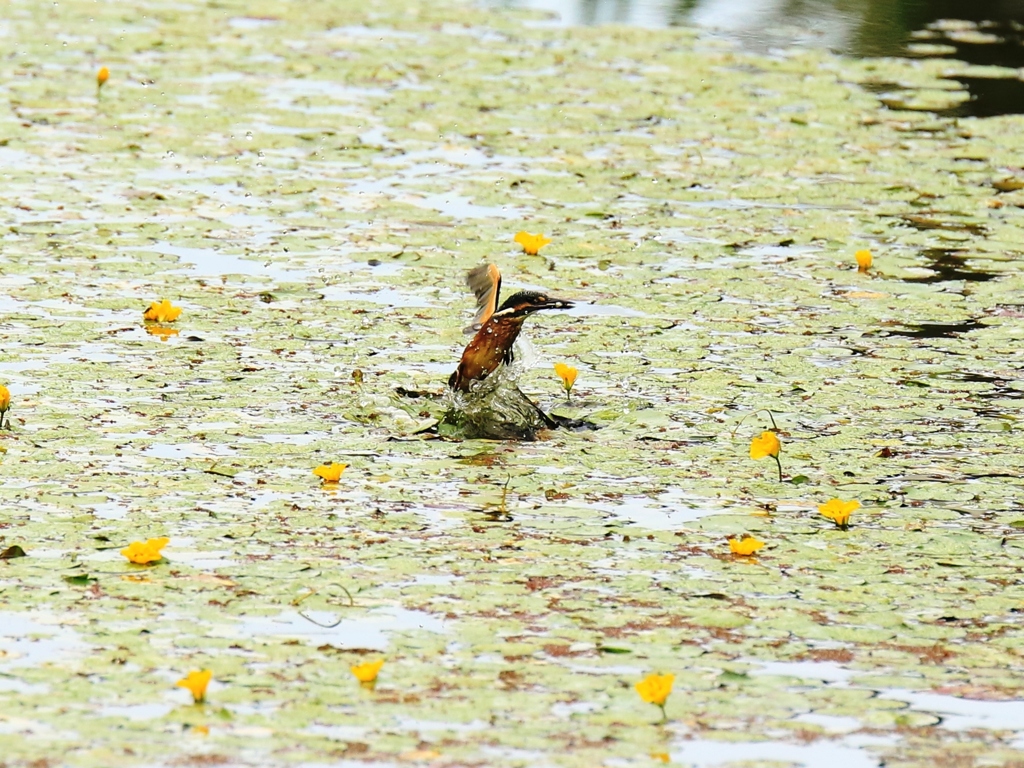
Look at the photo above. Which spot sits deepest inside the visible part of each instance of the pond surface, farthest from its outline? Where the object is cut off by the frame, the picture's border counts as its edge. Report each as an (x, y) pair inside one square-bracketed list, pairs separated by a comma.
[(310, 183), (987, 33), (857, 27)]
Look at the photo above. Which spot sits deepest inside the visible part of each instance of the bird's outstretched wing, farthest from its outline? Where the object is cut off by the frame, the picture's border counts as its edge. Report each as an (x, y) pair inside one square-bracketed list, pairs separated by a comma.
[(485, 283)]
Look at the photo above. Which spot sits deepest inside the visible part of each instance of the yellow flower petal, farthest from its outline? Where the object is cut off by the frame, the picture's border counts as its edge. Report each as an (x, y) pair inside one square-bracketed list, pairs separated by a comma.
[(746, 546), (839, 511), (863, 260), (196, 682), (143, 552), (102, 76), (567, 374), (367, 673), (654, 689), (765, 444), (531, 243), (162, 312), (5, 399), (330, 473)]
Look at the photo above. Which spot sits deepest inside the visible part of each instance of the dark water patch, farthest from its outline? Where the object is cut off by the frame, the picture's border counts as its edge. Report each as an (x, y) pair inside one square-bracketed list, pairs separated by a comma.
[(982, 32), (990, 97), (927, 220), (949, 265), (993, 39), (985, 32), (1002, 390), (975, 378), (936, 330), (996, 388)]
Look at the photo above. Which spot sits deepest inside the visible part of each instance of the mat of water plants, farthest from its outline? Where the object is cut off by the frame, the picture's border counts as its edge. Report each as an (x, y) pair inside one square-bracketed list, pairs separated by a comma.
[(309, 183)]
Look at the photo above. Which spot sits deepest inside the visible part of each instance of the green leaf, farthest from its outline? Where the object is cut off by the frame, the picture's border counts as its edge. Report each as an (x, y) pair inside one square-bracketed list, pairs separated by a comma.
[(80, 580)]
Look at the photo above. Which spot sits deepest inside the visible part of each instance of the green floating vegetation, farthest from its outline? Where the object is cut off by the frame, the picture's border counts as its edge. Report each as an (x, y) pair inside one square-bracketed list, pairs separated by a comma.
[(309, 183)]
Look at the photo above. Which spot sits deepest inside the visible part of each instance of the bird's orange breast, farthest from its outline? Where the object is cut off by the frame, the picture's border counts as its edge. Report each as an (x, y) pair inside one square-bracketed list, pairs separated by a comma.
[(490, 347)]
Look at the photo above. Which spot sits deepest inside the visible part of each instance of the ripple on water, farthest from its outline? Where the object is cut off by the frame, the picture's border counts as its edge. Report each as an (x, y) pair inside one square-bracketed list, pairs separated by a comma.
[(962, 714), (704, 753), (826, 671), (203, 261), (188, 451), (31, 639), (368, 631), (665, 512), (147, 711), (385, 296)]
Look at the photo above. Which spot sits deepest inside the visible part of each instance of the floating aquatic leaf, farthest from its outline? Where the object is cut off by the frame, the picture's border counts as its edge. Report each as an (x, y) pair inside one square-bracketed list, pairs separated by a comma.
[(80, 579), (12, 552)]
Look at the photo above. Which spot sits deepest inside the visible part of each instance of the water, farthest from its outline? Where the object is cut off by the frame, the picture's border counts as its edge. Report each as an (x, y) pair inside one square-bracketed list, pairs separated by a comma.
[(986, 33), (859, 28)]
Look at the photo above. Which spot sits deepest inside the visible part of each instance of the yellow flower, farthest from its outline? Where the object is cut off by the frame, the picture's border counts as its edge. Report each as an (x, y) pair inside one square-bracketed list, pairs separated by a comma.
[(140, 553), (102, 76), (839, 511), (654, 689), (748, 545), (367, 673), (5, 399), (161, 312), (531, 243), (863, 258), (330, 473), (766, 444), (196, 683), (661, 757), (568, 376)]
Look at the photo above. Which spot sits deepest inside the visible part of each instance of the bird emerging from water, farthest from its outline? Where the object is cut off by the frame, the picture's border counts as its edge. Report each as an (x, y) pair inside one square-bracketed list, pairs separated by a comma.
[(496, 328)]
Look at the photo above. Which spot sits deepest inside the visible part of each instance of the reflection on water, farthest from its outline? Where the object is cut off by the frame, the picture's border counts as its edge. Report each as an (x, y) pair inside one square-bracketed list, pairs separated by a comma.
[(859, 27)]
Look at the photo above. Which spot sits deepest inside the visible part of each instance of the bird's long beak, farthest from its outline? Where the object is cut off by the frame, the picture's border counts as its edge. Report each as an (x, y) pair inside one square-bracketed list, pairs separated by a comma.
[(552, 303)]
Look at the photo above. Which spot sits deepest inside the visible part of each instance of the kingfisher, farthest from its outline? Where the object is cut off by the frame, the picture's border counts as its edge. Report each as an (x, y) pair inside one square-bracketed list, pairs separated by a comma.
[(495, 328)]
